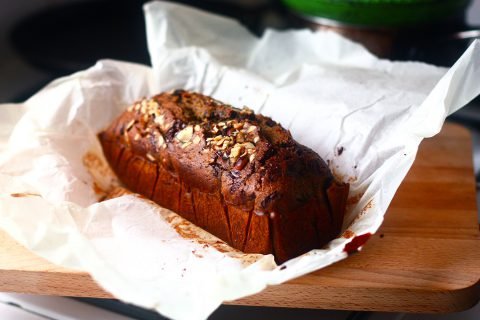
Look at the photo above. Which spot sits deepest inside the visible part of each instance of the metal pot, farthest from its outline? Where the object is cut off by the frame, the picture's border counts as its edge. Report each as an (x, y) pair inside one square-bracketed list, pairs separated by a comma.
[(379, 13), (395, 29)]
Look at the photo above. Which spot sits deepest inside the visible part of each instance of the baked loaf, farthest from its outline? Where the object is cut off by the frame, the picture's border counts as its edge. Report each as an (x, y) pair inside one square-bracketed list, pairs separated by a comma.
[(238, 175)]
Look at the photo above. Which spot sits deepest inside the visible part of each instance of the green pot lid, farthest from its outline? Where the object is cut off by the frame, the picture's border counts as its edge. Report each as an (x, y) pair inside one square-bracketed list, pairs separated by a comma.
[(380, 13)]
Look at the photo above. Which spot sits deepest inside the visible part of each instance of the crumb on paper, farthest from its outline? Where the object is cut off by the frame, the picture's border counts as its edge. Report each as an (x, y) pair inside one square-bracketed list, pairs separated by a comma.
[(117, 192), (97, 189), (352, 179), (104, 180), (338, 176), (340, 150), (348, 234), (364, 210), (367, 207), (194, 252), (24, 194)]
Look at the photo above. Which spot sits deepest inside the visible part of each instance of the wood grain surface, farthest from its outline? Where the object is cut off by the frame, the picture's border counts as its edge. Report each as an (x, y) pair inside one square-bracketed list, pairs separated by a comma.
[(425, 257)]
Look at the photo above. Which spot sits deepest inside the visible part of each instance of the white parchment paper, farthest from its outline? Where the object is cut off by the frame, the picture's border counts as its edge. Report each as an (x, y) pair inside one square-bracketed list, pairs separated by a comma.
[(364, 115)]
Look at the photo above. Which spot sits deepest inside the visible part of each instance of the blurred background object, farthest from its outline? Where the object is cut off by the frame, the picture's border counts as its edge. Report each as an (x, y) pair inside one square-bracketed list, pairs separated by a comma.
[(51, 38), (57, 37), (381, 13), (400, 30)]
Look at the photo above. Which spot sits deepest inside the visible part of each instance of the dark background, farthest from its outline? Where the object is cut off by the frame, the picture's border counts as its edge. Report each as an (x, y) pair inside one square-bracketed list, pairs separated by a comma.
[(44, 39)]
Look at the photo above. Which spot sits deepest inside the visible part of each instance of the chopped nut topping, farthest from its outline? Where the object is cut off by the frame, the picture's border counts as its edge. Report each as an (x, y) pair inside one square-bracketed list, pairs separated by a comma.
[(246, 110), (236, 151), (236, 141), (241, 137), (137, 137), (197, 128), (129, 125), (185, 135), (238, 125), (149, 108), (161, 140), (186, 144), (150, 157), (220, 142), (152, 105), (197, 140), (249, 145), (143, 109), (160, 120)]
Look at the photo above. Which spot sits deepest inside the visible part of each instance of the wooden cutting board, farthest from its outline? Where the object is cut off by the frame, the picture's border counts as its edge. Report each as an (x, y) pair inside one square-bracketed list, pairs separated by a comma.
[(425, 257)]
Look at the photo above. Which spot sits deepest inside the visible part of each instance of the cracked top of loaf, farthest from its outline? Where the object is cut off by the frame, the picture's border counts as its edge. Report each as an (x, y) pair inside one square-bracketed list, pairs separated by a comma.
[(251, 158)]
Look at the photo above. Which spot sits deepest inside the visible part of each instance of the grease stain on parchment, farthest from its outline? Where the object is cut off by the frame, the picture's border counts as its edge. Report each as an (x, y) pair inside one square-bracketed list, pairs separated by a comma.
[(104, 179), (24, 195), (189, 231)]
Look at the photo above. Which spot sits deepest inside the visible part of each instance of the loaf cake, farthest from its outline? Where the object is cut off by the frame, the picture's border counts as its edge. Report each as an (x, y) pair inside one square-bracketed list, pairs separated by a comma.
[(236, 174)]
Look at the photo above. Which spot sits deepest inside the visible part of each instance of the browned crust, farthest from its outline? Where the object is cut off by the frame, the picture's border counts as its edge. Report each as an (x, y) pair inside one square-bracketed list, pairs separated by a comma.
[(238, 175)]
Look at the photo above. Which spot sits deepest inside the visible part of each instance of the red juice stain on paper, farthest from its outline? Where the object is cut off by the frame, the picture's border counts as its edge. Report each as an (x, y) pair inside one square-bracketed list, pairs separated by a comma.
[(356, 243)]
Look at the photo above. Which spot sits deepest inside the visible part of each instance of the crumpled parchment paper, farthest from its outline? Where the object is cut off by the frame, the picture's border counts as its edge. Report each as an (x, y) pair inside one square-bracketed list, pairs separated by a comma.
[(363, 115)]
